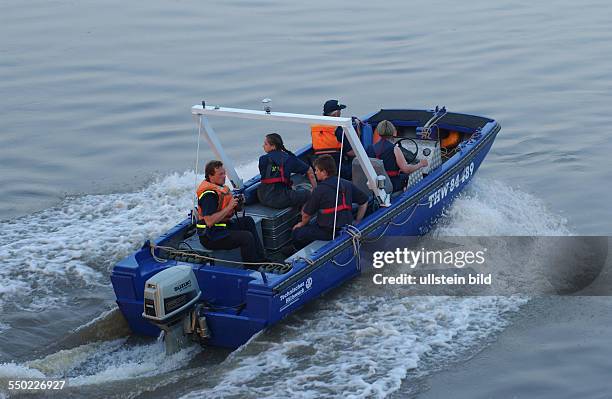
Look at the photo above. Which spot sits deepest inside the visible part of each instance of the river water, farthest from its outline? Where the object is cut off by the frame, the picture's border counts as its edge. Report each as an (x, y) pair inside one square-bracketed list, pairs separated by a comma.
[(97, 148)]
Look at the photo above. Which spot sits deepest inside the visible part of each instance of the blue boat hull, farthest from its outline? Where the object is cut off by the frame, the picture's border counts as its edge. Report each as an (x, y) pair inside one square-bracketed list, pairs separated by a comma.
[(245, 302)]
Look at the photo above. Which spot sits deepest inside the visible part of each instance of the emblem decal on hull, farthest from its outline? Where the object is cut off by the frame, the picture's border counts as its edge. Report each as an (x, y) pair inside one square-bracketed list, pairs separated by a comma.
[(293, 294)]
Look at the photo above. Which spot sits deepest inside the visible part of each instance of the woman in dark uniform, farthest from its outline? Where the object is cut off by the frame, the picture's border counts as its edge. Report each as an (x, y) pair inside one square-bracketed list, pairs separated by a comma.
[(276, 167), (392, 156)]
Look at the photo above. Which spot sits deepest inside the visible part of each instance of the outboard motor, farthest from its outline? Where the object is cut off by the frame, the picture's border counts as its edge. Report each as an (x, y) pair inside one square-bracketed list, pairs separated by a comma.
[(170, 302)]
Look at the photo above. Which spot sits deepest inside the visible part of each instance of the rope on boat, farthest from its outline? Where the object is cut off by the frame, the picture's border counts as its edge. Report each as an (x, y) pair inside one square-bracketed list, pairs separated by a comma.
[(157, 259), (390, 223), (381, 234), (356, 236), (204, 257), (409, 216)]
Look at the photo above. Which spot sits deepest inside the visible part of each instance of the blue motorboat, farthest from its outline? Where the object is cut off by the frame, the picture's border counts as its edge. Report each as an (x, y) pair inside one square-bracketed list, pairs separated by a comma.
[(175, 284)]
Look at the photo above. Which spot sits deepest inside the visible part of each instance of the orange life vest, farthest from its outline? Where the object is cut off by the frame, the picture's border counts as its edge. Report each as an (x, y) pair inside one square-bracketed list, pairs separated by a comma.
[(451, 140), (375, 137), (224, 194), (324, 139)]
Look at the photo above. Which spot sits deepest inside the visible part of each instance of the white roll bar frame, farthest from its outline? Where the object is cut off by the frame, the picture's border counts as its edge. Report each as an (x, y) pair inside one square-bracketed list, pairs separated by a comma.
[(198, 111)]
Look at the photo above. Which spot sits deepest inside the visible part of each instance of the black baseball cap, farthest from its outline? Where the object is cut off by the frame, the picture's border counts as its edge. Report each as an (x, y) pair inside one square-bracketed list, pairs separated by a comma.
[(331, 106)]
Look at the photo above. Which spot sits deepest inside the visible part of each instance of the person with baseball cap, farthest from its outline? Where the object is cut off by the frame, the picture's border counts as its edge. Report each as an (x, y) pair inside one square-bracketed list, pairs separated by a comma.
[(331, 106), (327, 139)]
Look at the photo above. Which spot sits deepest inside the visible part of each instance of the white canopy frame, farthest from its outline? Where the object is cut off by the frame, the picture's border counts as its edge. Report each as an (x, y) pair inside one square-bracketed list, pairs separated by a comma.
[(201, 113)]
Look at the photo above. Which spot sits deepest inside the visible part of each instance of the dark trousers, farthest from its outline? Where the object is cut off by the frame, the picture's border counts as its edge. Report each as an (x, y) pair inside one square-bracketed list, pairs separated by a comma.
[(303, 236), (242, 233), (399, 182)]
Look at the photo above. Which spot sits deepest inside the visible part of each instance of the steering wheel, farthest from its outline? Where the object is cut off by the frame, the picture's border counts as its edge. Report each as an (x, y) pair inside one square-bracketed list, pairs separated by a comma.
[(412, 156)]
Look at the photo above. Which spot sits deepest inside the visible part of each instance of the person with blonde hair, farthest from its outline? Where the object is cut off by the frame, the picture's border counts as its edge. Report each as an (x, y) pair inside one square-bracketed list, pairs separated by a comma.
[(392, 156)]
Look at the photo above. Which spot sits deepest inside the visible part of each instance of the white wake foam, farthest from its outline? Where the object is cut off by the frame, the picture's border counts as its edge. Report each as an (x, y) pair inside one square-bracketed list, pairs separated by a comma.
[(491, 208), (75, 245), (102, 362), (357, 346)]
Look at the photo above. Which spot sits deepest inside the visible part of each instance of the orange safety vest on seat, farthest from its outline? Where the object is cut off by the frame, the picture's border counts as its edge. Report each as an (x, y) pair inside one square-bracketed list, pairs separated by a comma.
[(324, 139), (451, 140), (225, 196)]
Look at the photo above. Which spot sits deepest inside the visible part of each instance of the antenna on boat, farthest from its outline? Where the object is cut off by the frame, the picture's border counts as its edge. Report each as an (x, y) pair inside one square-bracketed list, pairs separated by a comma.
[(266, 102)]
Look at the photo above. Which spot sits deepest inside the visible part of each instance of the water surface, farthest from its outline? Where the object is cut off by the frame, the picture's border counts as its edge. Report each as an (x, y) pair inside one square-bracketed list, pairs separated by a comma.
[(97, 148)]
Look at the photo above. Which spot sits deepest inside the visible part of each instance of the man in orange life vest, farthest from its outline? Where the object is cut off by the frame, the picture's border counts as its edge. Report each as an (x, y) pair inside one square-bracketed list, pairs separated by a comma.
[(327, 139), (323, 202), (216, 229)]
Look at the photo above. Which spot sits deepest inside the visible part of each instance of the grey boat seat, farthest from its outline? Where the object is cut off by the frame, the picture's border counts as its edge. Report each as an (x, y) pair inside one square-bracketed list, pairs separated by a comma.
[(274, 225), (360, 180), (193, 243), (300, 180)]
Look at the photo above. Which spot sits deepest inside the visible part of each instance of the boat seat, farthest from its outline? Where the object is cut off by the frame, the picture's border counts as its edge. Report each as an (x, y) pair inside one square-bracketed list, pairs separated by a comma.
[(360, 180), (307, 251), (274, 225), (414, 178), (193, 242)]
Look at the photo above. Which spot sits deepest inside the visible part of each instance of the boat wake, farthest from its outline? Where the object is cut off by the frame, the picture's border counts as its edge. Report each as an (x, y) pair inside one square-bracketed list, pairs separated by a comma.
[(356, 345), (97, 364), (75, 245), (492, 208), (348, 342)]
